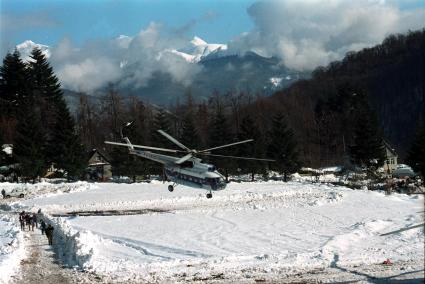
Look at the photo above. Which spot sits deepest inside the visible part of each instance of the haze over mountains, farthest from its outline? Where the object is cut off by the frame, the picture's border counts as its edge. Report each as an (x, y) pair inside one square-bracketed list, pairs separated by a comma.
[(209, 68)]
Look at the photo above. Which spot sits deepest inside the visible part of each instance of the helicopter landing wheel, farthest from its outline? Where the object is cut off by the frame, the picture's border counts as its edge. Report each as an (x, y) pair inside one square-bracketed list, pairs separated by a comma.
[(170, 188), (209, 195)]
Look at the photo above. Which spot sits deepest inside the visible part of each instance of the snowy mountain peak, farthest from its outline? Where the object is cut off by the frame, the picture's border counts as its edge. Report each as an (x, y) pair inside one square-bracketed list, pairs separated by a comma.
[(199, 49), (27, 46), (198, 41)]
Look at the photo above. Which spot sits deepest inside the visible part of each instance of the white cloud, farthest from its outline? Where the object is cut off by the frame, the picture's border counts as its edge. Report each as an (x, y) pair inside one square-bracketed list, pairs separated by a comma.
[(88, 74), (131, 61), (308, 33)]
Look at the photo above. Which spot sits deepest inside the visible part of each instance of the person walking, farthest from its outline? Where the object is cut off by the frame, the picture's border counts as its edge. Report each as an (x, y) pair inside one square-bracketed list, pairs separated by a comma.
[(34, 220), (42, 227), (49, 234), (3, 192), (22, 220), (28, 221)]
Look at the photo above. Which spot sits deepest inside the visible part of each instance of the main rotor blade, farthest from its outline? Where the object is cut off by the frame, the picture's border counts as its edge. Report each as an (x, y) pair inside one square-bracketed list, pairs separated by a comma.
[(184, 159), (227, 145), (172, 139), (144, 147), (234, 157)]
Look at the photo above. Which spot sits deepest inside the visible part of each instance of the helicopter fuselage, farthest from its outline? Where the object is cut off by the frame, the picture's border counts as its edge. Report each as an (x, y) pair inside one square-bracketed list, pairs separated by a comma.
[(192, 172)]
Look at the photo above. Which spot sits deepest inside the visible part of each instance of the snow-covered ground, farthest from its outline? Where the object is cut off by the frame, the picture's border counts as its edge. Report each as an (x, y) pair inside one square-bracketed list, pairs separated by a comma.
[(263, 231), (11, 247), (43, 189)]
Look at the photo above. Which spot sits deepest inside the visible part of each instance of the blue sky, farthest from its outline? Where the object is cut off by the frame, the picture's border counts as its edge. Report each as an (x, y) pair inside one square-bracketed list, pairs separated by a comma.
[(303, 34), (49, 21)]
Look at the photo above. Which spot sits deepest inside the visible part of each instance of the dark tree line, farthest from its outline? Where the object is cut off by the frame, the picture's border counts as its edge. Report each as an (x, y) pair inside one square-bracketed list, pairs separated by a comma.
[(35, 118), (196, 125)]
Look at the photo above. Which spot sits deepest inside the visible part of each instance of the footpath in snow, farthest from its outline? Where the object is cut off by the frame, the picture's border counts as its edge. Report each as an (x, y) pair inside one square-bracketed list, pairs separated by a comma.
[(250, 231), (23, 255), (41, 266)]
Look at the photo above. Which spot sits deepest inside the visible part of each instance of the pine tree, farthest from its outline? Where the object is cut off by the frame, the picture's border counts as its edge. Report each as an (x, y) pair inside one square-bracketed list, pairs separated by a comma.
[(14, 84), (46, 89), (282, 147), (29, 145), (416, 154), (161, 121), (14, 90), (368, 148), (202, 122), (189, 136), (68, 152), (248, 130), (63, 146)]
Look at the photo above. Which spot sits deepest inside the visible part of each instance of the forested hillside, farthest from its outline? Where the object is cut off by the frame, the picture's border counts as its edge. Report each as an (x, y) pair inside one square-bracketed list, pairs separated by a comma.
[(392, 78)]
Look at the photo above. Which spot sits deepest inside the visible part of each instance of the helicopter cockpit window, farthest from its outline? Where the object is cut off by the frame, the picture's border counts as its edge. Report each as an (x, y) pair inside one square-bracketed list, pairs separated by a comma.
[(187, 164)]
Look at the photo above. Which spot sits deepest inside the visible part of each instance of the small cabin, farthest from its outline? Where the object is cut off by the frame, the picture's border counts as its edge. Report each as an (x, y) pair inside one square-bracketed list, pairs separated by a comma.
[(99, 166), (391, 158)]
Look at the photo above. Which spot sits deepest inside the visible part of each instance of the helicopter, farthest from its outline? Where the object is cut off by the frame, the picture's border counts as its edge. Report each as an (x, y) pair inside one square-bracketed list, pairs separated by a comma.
[(187, 170)]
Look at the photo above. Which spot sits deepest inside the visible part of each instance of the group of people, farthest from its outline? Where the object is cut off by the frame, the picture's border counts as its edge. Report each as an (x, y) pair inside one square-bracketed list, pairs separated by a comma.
[(31, 221), (28, 219)]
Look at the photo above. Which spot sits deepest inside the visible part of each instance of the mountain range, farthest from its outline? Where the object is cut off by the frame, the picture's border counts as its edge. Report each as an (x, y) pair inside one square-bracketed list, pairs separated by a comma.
[(218, 70)]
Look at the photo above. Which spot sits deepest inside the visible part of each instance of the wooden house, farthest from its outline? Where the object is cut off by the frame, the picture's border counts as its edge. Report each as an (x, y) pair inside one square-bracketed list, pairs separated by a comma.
[(391, 158), (99, 166)]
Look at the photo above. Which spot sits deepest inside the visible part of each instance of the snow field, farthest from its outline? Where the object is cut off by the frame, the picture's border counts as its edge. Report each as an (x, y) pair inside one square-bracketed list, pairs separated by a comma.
[(12, 248), (247, 231), (239, 196)]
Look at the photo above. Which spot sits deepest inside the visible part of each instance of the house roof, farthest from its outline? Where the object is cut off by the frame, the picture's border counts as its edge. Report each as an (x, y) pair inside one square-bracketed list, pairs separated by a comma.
[(389, 147), (103, 155)]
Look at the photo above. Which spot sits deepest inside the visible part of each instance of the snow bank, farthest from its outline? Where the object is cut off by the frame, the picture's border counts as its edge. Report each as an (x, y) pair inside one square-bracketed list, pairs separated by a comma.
[(43, 189), (73, 247), (11, 247)]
